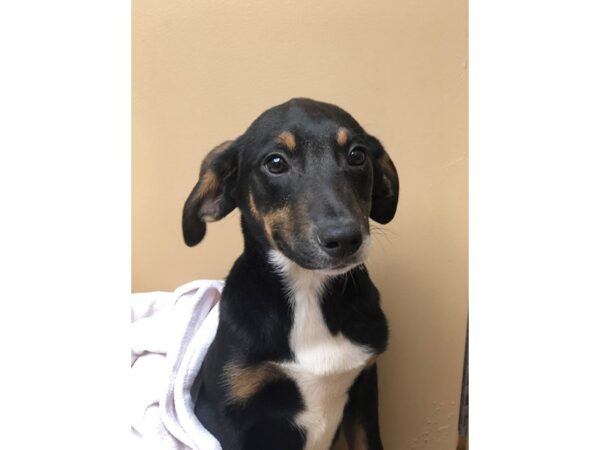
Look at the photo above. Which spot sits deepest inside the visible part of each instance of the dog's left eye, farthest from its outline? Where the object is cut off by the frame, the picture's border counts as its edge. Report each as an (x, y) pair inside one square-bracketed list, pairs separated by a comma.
[(276, 164), (356, 156)]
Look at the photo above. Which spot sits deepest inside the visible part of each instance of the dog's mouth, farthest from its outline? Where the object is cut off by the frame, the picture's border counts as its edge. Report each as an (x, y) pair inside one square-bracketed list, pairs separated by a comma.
[(341, 269), (311, 257)]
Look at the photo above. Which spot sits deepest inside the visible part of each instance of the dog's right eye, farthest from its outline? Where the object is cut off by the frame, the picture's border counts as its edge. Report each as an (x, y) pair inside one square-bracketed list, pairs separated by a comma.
[(276, 164)]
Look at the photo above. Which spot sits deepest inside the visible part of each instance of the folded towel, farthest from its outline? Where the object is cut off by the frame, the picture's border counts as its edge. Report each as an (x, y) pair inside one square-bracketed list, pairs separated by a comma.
[(170, 335)]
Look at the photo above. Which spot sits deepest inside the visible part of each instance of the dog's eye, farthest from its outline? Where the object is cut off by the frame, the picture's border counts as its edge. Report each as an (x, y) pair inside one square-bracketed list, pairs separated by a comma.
[(276, 164), (356, 156)]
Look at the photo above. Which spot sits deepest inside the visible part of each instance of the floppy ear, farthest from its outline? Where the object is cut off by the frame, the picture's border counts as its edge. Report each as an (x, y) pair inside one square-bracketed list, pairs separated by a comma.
[(213, 196), (385, 188)]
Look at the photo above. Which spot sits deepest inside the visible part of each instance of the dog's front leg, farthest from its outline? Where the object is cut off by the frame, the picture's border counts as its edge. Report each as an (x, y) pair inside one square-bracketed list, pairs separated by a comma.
[(361, 419)]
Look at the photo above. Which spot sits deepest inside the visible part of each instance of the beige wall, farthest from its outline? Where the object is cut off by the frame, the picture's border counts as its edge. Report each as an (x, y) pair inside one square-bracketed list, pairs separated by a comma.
[(203, 70)]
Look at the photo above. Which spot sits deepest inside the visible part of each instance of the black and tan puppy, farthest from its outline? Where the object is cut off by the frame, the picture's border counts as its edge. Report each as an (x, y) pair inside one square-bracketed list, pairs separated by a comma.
[(293, 360)]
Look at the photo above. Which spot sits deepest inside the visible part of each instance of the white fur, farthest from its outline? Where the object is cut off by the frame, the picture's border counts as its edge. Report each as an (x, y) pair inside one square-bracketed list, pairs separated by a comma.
[(324, 365)]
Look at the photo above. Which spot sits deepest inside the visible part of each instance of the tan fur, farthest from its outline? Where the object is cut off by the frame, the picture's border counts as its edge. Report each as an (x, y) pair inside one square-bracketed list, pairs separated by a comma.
[(288, 139), (209, 179), (245, 382), (279, 218), (253, 208), (342, 136), (208, 183)]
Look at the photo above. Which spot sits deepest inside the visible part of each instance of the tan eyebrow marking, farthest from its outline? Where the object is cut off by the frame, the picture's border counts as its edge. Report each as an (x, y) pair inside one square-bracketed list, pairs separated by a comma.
[(342, 136), (287, 138)]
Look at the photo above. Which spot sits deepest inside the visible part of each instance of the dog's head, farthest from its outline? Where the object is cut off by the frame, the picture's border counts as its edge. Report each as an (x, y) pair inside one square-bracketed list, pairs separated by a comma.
[(306, 177)]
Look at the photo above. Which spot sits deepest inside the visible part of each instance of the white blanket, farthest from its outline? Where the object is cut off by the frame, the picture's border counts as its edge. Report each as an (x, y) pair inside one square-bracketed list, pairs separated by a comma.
[(170, 334)]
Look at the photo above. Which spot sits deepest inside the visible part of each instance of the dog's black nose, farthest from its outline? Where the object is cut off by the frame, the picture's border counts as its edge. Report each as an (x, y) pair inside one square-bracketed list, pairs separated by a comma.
[(340, 239)]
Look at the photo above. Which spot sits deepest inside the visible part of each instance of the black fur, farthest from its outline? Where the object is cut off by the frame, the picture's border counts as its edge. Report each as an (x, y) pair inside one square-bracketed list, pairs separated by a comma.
[(255, 315)]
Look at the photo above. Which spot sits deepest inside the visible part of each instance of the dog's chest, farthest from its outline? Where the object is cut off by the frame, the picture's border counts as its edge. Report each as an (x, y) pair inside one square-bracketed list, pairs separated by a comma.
[(324, 366)]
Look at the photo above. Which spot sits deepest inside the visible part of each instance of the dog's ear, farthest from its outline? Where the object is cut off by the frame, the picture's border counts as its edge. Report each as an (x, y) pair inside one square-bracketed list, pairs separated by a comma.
[(386, 187), (213, 196)]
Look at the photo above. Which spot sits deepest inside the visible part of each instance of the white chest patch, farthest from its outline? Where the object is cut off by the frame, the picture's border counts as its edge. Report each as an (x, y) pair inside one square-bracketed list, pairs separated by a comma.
[(325, 365)]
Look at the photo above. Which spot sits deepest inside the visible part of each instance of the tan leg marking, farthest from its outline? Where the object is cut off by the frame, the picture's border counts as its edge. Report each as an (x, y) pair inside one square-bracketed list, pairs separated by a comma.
[(245, 382)]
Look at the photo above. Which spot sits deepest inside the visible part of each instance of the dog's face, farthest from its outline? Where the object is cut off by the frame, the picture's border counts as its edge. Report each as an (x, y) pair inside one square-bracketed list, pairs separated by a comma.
[(306, 178)]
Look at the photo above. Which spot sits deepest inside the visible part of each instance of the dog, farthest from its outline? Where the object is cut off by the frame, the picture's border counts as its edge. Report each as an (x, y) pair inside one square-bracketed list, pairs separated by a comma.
[(293, 359)]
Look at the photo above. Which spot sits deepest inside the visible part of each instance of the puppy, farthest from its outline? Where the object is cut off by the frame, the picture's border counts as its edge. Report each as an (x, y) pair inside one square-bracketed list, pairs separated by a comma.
[(293, 360)]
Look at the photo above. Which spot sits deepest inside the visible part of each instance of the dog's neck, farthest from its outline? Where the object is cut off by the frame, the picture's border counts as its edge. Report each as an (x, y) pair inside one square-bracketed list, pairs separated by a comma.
[(277, 308)]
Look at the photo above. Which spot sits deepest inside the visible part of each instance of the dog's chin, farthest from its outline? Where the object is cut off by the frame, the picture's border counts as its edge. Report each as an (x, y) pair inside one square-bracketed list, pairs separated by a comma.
[(331, 267), (320, 262), (340, 269)]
